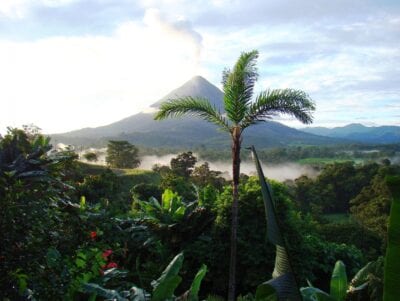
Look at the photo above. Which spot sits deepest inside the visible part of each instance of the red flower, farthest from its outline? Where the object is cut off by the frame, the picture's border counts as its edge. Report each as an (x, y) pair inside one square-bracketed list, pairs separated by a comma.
[(93, 235), (111, 265), (107, 253)]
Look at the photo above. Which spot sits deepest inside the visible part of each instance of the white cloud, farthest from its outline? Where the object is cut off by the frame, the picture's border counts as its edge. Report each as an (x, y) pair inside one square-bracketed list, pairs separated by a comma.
[(345, 55), (14, 9), (67, 83)]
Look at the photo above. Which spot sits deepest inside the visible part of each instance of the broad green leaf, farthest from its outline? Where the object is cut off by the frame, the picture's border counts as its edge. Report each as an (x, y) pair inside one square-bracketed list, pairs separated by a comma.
[(339, 281), (166, 199), (82, 203), (164, 287), (391, 287), (155, 202), (180, 212), (172, 269), (266, 292), (175, 203), (315, 294), (165, 290), (273, 232), (360, 279), (283, 280), (195, 287)]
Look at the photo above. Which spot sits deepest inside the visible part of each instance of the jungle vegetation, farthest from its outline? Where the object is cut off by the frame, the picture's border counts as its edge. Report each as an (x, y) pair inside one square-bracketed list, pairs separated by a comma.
[(70, 231), (77, 231)]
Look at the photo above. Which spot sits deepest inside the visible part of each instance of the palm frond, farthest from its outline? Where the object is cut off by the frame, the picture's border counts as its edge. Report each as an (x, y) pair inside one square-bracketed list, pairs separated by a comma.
[(273, 102), (192, 106), (238, 85)]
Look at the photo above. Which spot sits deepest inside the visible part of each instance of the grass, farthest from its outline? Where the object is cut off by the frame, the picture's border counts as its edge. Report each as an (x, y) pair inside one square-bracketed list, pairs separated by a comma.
[(91, 169), (129, 177), (140, 176)]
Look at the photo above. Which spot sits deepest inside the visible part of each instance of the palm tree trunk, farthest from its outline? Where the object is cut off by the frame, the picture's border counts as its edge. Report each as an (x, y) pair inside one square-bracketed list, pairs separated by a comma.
[(235, 183)]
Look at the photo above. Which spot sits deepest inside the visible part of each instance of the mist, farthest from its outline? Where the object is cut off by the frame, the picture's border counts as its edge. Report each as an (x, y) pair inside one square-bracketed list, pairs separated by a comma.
[(279, 172), (147, 162)]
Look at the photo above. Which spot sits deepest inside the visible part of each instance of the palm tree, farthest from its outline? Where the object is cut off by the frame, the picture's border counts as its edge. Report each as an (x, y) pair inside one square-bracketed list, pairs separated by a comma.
[(240, 113)]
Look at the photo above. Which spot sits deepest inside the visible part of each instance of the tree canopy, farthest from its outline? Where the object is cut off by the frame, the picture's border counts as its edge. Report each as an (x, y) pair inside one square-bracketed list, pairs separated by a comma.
[(122, 154)]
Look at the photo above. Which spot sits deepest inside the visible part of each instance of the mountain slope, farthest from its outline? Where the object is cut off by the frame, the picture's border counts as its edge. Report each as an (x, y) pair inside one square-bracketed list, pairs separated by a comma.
[(360, 133), (188, 132)]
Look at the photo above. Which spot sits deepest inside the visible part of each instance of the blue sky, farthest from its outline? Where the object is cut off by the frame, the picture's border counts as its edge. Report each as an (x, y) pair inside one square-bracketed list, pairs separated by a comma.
[(69, 64)]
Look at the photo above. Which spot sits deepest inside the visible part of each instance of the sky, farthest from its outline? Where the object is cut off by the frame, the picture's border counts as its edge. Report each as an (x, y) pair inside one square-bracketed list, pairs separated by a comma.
[(69, 64)]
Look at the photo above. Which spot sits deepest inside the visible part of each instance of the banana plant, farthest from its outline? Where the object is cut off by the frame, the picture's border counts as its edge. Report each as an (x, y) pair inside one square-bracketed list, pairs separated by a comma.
[(163, 288), (339, 286), (283, 284), (391, 288), (173, 220), (172, 209)]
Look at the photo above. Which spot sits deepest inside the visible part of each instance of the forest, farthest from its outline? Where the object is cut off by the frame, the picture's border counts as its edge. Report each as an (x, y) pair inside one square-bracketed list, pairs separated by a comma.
[(75, 231), (72, 230)]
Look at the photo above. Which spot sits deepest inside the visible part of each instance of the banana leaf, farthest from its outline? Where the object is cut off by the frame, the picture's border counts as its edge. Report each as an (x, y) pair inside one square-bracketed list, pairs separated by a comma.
[(339, 281), (195, 287), (164, 287), (391, 287), (315, 294), (283, 280), (361, 278)]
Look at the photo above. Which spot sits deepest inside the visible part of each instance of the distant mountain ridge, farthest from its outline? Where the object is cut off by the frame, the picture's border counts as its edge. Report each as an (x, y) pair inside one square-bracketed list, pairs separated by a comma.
[(360, 133), (189, 132)]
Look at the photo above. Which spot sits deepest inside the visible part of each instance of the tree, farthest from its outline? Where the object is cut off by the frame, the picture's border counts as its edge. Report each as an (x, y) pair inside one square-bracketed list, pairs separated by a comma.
[(122, 154), (91, 156), (202, 176), (176, 177), (240, 113), (183, 164), (34, 197)]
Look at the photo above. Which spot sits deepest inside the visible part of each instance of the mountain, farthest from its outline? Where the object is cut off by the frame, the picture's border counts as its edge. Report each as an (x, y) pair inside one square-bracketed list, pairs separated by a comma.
[(198, 86), (360, 133), (188, 132)]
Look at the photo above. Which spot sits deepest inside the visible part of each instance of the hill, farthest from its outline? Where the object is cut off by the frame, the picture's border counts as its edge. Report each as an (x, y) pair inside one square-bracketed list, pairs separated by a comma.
[(360, 133), (188, 132)]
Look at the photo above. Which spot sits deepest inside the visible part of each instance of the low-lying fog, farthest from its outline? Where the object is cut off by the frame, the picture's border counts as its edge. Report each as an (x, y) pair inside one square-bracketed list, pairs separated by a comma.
[(280, 172)]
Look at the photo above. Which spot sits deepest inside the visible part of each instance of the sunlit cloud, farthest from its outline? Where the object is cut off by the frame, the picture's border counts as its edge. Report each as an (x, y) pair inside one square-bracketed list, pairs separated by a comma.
[(66, 83), (69, 64)]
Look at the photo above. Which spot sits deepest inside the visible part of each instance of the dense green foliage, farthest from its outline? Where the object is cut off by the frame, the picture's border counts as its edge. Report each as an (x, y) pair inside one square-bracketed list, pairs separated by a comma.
[(122, 154), (64, 224), (392, 265)]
